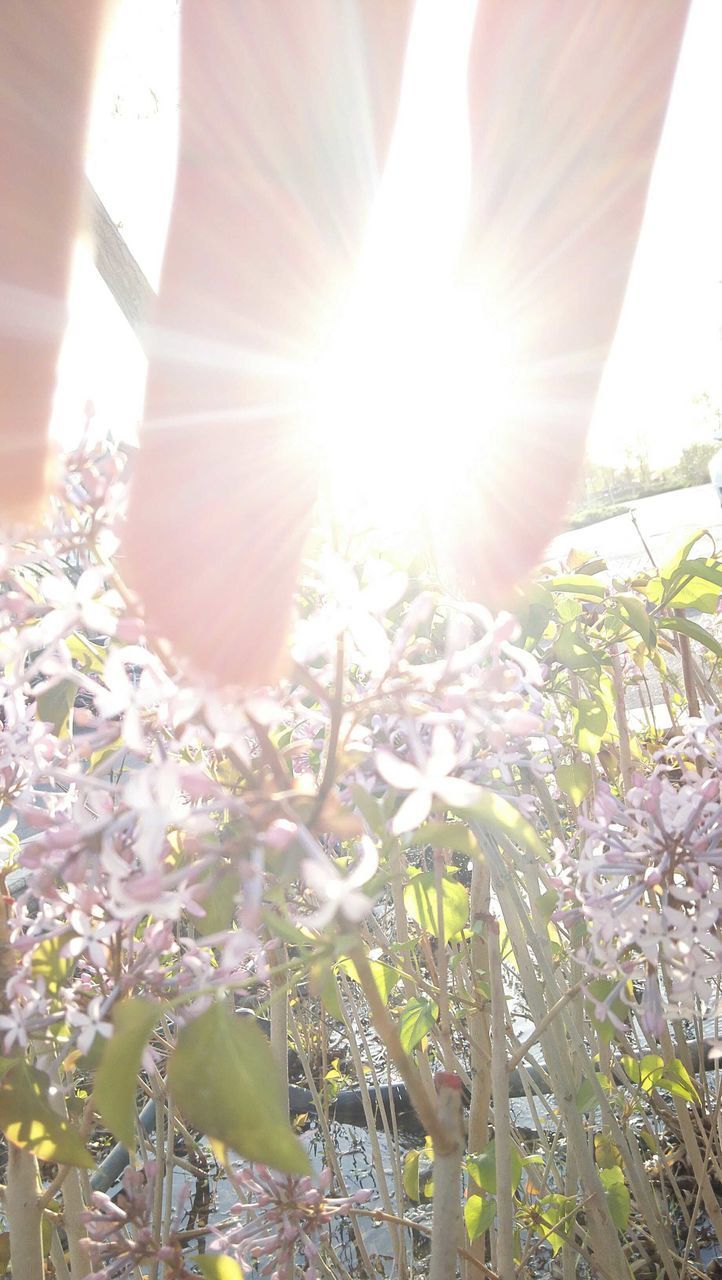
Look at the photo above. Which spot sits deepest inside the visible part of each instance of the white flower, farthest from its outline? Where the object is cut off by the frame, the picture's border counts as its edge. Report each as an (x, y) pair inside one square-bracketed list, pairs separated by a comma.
[(89, 1023), (426, 781), (340, 894)]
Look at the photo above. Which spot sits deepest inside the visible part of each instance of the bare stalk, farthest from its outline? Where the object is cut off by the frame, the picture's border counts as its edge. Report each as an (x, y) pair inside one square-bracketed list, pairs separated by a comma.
[(446, 1220), (386, 1029), (625, 754), (478, 1030), (279, 1014), (24, 1216), (502, 1118)]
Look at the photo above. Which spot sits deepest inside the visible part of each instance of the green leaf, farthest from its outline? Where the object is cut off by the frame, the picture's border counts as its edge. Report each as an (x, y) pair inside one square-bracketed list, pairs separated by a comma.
[(599, 990), (644, 1072), (421, 902), (635, 615), (479, 1214), (589, 725), (455, 837), (219, 903), (28, 1120), (482, 1168), (587, 1098), (556, 1208), (55, 707), (687, 584), (501, 816), (224, 1081), (218, 1266), (581, 585), (116, 1077), (692, 629), (417, 1018), (575, 780), (384, 975), (91, 657), (606, 1152), (676, 1079), (573, 651), (618, 1199)]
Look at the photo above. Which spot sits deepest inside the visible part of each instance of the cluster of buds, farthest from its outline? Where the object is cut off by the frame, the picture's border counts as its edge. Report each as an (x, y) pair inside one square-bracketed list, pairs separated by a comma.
[(120, 1235), (289, 1216)]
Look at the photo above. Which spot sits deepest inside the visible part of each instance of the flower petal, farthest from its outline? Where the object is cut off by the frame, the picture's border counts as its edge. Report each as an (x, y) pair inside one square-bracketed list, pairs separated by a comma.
[(398, 773), (413, 811)]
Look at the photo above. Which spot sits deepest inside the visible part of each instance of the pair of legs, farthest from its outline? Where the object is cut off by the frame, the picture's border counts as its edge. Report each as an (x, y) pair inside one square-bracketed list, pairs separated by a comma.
[(286, 114)]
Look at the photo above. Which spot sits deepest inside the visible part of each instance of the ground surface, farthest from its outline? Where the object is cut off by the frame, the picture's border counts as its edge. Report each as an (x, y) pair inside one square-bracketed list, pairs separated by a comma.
[(664, 521)]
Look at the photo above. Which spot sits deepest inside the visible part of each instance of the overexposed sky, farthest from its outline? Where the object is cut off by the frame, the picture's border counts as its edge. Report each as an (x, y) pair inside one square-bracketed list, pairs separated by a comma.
[(668, 349)]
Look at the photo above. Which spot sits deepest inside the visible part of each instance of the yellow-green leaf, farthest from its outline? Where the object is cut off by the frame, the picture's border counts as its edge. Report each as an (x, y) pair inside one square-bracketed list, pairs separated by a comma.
[(575, 780), (618, 1199), (417, 1018), (218, 1266), (384, 975), (421, 902), (479, 1214), (55, 706), (501, 816), (28, 1120), (116, 1078)]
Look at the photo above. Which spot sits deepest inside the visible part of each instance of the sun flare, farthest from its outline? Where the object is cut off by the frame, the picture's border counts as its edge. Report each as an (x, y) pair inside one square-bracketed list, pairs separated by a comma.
[(415, 373)]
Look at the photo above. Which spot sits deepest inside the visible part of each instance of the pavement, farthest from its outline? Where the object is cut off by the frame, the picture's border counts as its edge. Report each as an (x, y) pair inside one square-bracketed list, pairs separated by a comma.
[(665, 522)]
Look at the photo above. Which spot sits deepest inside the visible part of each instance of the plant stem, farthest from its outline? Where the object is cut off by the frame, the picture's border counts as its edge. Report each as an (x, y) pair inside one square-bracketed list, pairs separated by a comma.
[(446, 1220), (502, 1118), (24, 1216)]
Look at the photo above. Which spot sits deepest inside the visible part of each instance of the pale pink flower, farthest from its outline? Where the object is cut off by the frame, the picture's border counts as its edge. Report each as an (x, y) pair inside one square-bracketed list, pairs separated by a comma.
[(427, 781), (340, 894)]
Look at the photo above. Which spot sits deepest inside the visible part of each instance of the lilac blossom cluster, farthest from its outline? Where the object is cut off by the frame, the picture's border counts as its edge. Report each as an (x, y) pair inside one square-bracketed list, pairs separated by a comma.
[(648, 880), (121, 1236), (289, 1217)]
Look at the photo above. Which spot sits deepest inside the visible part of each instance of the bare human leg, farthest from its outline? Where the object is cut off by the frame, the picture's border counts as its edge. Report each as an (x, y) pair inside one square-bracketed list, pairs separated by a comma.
[(47, 56), (285, 118), (567, 104)]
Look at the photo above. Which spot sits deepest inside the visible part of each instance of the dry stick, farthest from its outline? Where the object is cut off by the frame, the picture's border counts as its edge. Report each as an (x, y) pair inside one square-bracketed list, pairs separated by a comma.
[(401, 930), (639, 1183), (689, 1137), (502, 1117), (158, 1093), (348, 1000), (625, 754), (519, 1054), (169, 1167), (57, 1257), (690, 687), (695, 1210), (387, 1030), (328, 1141), (446, 1219), (605, 1242), (448, 1056)]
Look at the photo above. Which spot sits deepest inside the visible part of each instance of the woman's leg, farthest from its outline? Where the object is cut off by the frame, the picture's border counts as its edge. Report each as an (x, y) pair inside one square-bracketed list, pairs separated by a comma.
[(567, 103), (286, 113), (47, 56)]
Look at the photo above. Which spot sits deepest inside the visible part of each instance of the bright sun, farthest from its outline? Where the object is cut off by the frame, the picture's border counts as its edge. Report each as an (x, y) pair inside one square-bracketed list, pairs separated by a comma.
[(415, 372)]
